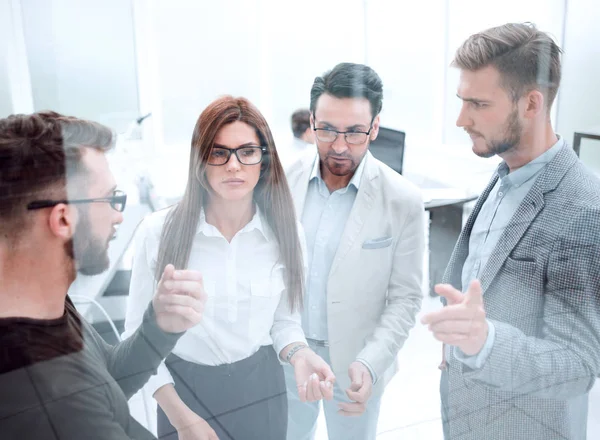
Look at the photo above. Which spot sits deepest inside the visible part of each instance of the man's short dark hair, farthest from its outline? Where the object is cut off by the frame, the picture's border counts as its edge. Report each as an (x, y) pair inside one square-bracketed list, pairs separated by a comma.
[(39, 153), (349, 80), (300, 122)]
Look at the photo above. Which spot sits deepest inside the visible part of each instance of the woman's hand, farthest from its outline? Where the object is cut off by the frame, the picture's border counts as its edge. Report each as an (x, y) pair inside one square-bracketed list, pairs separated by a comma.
[(314, 377)]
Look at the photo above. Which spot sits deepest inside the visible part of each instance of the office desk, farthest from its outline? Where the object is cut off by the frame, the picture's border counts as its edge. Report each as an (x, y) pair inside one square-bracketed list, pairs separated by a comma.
[(445, 225), (93, 287), (445, 206)]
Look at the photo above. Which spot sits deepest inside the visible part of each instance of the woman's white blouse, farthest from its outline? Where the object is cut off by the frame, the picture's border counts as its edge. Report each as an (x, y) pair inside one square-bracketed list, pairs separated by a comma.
[(247, 304)]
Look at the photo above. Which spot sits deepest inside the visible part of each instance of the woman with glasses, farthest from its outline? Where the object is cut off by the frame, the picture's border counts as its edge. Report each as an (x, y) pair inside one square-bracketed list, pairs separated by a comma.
[(236, 225)]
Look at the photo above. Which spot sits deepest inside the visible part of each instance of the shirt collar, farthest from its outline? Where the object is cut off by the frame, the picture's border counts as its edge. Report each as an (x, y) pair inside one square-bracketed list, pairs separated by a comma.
[(356, 178), (257, 223), (531, 169)]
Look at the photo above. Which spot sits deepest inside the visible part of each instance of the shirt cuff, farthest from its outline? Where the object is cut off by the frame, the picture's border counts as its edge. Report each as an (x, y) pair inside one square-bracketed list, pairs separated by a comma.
[(476, 361), (160, 379), (366, 364)]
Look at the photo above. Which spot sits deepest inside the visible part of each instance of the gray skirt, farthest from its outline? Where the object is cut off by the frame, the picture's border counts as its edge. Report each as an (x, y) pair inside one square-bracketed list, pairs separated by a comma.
[(245, 400)]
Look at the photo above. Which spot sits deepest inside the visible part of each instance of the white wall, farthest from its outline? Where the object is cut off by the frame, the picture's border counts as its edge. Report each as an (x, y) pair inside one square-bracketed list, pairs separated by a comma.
[(405, 47), (579, 97), (466, 17), (6, 105), (82, 58), (15, 85), (265, 50)]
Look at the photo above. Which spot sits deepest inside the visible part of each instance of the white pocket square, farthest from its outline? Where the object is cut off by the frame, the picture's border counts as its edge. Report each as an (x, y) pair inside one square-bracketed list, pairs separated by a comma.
[(377, 243)]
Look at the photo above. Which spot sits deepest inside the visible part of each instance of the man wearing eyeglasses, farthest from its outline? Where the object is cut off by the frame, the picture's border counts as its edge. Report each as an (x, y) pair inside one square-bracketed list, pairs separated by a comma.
[(59, 207), (365, 235)]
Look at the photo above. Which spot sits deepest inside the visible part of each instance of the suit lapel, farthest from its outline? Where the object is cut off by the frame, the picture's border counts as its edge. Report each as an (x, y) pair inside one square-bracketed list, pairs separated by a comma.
[(299, 184), (519, 223), (527, 211), (360, 210)]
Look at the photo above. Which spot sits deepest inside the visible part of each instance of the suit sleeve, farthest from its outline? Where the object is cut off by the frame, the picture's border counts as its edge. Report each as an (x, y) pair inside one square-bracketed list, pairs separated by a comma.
[(86, 415), (404, 295), (132, 362), (60, 400), (139, 357), (563, 361)]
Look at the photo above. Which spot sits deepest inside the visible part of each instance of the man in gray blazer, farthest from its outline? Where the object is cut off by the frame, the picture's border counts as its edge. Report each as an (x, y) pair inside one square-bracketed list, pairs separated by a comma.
[(364, 232), (521, 325)]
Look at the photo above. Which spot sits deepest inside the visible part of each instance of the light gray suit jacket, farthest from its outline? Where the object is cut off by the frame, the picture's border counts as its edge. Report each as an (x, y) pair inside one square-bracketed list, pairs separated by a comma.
[(374, 289), (542, 292)]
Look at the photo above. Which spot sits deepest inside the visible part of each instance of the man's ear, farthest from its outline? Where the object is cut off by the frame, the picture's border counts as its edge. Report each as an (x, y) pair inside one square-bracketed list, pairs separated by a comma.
[(62, 221), (534, 104), (375, 129)]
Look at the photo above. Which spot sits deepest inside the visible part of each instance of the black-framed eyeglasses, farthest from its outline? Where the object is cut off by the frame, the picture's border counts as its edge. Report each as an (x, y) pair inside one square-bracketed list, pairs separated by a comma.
[(117, 202), (245, 155), (329, 135)]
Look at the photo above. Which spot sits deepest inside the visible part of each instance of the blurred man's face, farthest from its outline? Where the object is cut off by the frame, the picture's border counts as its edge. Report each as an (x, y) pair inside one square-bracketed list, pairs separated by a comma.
[(96, 221)]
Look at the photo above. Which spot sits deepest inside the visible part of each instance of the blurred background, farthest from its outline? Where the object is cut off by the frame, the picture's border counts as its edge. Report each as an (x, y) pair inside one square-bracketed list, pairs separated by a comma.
[(115, 60)]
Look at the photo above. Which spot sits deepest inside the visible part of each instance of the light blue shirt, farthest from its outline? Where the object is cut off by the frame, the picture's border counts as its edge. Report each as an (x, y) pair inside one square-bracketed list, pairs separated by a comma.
[(324, 219), (493, 218)]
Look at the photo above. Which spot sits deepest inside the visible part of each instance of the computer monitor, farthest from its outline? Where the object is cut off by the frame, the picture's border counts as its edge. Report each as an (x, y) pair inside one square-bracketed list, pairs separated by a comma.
[(389, 148)]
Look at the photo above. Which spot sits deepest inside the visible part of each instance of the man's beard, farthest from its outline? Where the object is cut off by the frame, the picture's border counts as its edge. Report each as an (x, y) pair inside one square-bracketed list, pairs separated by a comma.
[(512, 137), (88, 253), (343, 171)]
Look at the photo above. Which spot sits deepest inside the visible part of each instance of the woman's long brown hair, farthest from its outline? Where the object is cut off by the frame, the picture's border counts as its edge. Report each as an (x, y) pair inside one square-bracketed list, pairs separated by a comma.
[(271, 194)]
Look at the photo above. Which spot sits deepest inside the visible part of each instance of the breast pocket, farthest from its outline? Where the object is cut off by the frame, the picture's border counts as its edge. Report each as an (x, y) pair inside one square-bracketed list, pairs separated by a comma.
[(264, 299), (522, 269), (378, 243), (369, 268)]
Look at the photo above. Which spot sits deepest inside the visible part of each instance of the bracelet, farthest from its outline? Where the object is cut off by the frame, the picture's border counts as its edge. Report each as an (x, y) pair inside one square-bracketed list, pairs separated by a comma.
[(293, 351)]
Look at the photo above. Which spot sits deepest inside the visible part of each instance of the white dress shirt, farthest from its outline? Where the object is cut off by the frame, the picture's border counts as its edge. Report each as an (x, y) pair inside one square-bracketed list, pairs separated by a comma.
[(247, 304), (324, 219)]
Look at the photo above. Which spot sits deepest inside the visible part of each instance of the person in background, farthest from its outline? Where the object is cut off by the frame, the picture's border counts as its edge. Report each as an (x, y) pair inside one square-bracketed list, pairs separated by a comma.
[(365, 233), (304, 138), (59, 208), (301, 126), (521, 322), (236, 226)]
